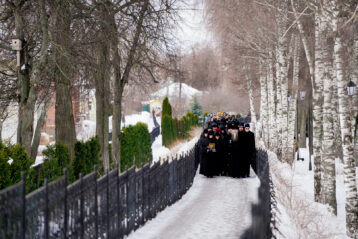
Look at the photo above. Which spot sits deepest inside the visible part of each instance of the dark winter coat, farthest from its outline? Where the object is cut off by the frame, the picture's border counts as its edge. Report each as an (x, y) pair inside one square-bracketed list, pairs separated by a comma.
[(224, 167), (248, 151), (207, 162), (219, 156), (234, 157)]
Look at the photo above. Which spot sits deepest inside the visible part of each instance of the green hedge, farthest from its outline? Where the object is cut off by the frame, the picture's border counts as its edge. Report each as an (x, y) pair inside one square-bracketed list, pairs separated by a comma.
[(167, 123), (166, 107), (5, 174), (11, 173), (168, 134), (87, 154), (135, 145), (173, 128), (56, 157)]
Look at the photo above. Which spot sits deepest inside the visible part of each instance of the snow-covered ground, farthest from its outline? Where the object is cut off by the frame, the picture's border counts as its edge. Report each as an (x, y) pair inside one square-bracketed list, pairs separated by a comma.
[(158, 150), (213, 208), (298, 215), (9, 128), (87, 128)]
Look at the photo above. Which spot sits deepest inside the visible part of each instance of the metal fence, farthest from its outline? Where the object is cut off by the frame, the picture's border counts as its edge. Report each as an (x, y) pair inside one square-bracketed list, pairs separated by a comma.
[(262, 219), (108, 207)]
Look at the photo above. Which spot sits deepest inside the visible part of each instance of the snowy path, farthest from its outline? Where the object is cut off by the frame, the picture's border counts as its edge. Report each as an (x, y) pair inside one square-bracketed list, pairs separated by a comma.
[(213, 208)]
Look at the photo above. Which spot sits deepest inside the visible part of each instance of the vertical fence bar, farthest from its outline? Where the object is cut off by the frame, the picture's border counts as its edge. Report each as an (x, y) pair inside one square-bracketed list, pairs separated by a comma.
[(81, 207), (141, 221), (118, 202), (65, 213), (23, 201), (95, 203), (46, 210), (107, 204)]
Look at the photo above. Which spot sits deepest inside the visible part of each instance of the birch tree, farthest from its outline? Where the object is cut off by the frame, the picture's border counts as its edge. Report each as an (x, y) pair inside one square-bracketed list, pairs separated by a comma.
[(293, 102), (345, 122)]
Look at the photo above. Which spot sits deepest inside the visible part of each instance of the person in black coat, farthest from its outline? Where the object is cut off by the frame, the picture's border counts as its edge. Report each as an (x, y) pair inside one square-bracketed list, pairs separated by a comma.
[(249, 150), (234, 152), (207, 163), (219, 154), (241, 149), (203, 137), (224, 141)]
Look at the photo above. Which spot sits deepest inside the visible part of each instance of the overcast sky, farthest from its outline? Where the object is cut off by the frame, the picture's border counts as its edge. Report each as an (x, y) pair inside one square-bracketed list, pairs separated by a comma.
[(192, 29)]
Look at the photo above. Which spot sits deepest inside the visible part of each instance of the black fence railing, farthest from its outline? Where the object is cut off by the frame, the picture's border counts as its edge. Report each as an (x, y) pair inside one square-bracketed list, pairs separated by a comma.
[(262, 219), (108, 207)]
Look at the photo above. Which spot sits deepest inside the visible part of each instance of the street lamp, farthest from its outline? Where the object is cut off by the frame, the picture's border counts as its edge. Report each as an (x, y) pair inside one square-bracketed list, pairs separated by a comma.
[(351, 88)]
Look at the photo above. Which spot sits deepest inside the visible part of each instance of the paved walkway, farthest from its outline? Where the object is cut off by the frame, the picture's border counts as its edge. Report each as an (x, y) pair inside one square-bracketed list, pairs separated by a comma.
[(213, 208)]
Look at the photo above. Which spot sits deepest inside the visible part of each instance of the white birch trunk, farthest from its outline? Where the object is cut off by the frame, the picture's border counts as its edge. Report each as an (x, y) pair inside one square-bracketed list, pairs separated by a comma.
[(252, 105), (272, 107), (264, 107), (320, 23), (279, 120), (355, 99), (347, 139), (293, 102), (328, 186), (282, 78)]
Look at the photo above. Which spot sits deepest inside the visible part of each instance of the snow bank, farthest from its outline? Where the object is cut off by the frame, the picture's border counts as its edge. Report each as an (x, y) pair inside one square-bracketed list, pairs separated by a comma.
[(158, 150), (87, 128), (299, 216), (143, 117), (9, 129), (39, 160)]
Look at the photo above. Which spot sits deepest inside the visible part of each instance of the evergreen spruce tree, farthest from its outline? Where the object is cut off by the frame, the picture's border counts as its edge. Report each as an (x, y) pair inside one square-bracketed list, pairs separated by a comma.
[(196, 108), (168, 133)]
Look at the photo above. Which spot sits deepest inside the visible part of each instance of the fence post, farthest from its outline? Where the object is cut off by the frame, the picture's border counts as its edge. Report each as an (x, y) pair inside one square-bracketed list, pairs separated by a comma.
[(126, 212), (118, 202), (81, 207), (65, 216), (23, 200), (107, 198), (142, 198), (46, 210), (95, 203)]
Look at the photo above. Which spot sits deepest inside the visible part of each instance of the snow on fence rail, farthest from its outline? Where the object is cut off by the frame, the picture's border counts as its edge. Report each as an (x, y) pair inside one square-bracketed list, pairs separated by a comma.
[(263, 222), (108, 207)]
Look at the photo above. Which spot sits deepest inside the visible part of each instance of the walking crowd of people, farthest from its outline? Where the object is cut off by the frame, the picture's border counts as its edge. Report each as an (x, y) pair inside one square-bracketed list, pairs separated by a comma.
[(227, 147)]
